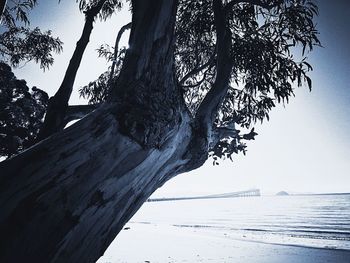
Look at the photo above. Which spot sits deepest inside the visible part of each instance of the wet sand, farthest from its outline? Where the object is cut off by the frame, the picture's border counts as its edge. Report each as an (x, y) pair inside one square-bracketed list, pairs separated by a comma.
[(163, 243)]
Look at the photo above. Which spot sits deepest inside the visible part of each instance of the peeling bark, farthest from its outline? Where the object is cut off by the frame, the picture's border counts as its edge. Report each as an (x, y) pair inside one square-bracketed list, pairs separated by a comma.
[(146, 87)]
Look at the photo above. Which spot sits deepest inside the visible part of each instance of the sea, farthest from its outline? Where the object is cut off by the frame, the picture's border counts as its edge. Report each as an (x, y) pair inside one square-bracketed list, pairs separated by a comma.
[(320, 221)]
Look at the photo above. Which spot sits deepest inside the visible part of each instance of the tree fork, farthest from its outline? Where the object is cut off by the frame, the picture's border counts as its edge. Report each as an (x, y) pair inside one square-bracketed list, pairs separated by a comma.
[(204, 136)]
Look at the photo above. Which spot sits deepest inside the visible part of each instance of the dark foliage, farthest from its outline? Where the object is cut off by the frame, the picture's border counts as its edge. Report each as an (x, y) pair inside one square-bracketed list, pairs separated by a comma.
[(107, 10), (270, 42), (97, 91), (19, 43), (21, 112), (268, 54)]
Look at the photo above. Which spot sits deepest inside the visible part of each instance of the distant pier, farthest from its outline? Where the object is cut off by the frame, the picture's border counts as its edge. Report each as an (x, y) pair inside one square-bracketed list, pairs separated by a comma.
[(248, 193)]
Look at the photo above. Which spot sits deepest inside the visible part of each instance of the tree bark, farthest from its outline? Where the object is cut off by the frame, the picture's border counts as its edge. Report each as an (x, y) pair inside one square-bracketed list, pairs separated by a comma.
[(205, 136), (208, 108), (58, 104), (67, 197), (150, 55), (146, 87)]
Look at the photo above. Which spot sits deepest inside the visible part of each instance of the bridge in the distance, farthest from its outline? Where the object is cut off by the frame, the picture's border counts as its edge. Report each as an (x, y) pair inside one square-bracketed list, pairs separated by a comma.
[(247, 193)]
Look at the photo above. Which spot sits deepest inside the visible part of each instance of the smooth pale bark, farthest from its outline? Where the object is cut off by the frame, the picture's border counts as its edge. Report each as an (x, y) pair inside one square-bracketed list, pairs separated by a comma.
[(149, 59)]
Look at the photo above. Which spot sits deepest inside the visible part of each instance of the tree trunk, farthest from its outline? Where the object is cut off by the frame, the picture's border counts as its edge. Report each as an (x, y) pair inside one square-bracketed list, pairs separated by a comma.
[(66, 198)]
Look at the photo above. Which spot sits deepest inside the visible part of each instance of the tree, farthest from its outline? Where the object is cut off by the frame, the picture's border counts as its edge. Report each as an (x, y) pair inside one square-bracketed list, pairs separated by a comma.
[(19, 43), (21, 110), (194, 72)]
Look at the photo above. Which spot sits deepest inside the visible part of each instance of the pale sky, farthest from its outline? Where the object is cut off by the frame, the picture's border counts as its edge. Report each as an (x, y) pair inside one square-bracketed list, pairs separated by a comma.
[(303, 148)]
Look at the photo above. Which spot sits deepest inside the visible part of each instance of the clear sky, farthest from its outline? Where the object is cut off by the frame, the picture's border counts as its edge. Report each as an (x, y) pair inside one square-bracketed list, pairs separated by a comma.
[(305, 147)]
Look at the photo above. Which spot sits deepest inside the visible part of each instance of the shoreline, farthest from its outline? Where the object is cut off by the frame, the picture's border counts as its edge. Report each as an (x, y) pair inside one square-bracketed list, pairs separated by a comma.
[(293, 245), (162, 243)]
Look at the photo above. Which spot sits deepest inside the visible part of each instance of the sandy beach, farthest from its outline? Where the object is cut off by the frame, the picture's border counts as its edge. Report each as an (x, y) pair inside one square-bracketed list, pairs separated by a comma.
[(157, 243)]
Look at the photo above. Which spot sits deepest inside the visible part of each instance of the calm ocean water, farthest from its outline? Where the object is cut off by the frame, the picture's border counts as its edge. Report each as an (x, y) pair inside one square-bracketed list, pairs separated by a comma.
[(321, 221)]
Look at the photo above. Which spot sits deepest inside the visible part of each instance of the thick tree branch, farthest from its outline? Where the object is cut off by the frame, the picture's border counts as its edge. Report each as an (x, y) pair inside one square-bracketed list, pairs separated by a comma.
[(207, 110), (203, 136), (116, 50)]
